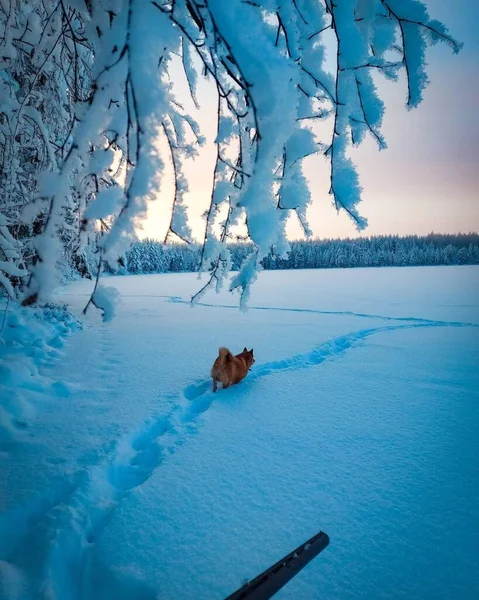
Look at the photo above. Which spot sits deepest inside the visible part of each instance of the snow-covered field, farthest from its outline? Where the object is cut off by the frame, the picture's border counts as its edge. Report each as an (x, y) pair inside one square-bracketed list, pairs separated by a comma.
[(127, 478)]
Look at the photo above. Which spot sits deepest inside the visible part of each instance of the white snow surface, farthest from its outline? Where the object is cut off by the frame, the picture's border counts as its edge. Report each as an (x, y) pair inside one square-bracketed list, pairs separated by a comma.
[(130, 479)]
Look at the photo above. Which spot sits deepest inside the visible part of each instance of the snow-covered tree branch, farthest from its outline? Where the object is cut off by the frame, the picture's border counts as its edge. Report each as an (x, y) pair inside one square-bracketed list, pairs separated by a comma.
[(87, 96)]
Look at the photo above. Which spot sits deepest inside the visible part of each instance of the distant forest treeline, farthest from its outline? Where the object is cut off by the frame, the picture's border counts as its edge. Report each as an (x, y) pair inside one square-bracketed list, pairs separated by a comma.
[(150, 256)]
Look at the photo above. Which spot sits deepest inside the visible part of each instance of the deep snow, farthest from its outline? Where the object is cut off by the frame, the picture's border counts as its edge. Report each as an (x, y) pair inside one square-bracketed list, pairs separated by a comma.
[(129, 479)]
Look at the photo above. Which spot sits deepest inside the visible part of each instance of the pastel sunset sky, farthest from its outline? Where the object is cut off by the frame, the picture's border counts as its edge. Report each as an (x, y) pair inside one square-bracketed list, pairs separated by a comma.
[(428, 178)]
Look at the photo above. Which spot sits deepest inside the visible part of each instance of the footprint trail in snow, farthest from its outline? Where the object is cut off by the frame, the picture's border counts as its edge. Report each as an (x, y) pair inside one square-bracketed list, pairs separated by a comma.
[(84, 505)]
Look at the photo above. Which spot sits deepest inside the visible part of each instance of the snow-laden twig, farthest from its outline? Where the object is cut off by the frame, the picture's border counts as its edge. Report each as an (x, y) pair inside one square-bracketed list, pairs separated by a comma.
[(90, 91)]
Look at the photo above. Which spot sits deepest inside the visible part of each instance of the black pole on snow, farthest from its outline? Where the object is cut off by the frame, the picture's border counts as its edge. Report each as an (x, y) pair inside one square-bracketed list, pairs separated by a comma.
[(273, 579)]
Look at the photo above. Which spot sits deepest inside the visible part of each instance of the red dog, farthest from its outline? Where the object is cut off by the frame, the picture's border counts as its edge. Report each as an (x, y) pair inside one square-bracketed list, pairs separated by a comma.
[(231, 369)]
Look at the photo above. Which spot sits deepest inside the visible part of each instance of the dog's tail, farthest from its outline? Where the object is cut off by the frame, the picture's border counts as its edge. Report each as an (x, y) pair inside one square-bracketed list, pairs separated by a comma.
[(225, 356)]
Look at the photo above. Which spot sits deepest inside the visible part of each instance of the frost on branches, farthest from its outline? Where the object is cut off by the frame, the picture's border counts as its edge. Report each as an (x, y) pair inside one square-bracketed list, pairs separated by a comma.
[(87, 95)]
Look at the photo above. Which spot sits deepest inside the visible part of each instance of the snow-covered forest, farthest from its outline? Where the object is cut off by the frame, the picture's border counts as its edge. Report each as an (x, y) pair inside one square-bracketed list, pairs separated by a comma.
[(80, 139), (150, 256)]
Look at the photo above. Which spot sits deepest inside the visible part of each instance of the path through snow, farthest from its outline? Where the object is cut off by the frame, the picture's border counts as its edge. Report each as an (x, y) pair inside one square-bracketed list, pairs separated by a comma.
[(87, 501)]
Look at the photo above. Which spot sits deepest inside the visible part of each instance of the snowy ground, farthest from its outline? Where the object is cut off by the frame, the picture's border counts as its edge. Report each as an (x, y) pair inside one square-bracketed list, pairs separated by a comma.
[(129, 479)]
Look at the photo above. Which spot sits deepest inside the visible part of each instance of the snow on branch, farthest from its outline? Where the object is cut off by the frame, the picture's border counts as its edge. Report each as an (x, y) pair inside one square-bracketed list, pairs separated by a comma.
[(87, 96)]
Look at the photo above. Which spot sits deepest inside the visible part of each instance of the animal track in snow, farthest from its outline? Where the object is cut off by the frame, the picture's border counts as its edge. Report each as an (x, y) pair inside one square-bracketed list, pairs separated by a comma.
[(340, 313), (89, 502)]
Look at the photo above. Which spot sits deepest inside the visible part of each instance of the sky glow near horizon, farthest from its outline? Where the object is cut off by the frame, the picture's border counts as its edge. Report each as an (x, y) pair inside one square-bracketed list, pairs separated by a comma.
[(426, 180)]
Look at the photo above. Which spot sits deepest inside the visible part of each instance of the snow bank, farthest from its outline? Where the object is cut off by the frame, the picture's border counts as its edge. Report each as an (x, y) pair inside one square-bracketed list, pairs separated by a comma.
[(29, 339)]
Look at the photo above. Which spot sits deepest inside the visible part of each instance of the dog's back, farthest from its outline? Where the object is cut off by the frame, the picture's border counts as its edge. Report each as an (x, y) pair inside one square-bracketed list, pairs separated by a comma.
[(231, 369)]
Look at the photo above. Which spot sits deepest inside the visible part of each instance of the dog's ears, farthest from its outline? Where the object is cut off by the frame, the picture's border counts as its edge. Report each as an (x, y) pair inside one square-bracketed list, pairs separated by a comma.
[(245, 350), (251, 351)]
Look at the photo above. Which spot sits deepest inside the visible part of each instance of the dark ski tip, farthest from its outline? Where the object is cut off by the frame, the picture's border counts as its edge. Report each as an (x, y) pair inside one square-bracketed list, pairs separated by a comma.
[(273, 579)]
